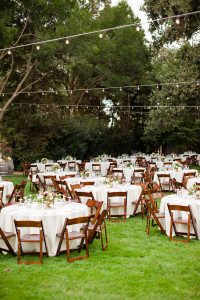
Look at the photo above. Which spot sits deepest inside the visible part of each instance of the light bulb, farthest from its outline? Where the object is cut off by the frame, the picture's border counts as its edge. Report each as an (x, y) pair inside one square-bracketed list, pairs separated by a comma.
[(29, 94), (197, 83), (177, 85), (42, 94), (120, 89), (101, 35), (71, 92), (67, 42), (157, 87), (9, 52), (86, 91), (177, 21), (103, 90), (138, 88), (56, 93), (38, 47), (138, 28)]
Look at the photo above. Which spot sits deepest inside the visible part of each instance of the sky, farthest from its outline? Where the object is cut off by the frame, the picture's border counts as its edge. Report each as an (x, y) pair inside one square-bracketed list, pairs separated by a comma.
[(136, 4)]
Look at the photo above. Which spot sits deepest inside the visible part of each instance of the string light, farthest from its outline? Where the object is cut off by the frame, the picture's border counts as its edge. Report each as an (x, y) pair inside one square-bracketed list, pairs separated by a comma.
[(38, 47), (9, 52), (102, 30), (100, 35), (138, 28), (138, 88), (120, 89), (177, 85), (103, 90), (157, 87), (177, 21), (67, 42)]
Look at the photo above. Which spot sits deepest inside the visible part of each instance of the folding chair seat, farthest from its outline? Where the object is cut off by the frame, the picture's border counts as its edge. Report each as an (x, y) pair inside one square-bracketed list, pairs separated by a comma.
[(85, 183), (140, 201), (164, 182), (153, 212), (72, 235), (48, 182), (96, 228), (96, 168), (180, 209), (5, 236), (72, 165), (30, 238), (114, 203), (81, 196)]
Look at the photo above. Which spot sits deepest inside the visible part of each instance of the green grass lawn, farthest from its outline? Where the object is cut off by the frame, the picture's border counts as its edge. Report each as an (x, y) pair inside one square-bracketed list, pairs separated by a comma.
[(134, 266)]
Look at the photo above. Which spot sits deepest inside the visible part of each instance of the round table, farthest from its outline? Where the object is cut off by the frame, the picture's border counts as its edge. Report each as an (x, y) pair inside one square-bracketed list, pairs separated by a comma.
[(104, 167), (101, 194), (8, 188), (192, 181), (78, 180), (57, 174), (181, 199), (53, 220)]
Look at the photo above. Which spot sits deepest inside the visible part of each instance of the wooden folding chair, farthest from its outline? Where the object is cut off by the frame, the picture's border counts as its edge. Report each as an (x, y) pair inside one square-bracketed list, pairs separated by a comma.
[(5, 236), (97, 228), (177, 185), (73, 188), (118, 173), (188, 175), (138, 175), (33, 184), (96, 168), (179, 220), (117, 204), (72, 166), (30, 238), (80, 195), (17, 193), (140, 201), (94, 205), (67, 176), (69, 236), (153, 213), (26, 167), (48, 182), (81, 166), (41, 184), (1, 195), (164, 181), (85, 183)]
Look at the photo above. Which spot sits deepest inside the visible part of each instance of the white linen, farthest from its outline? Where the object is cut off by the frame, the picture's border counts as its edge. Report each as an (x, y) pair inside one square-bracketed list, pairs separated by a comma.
[(101, 194), (78, 180), (128, 172), (192, 181), (8, 188), (183, 199), (104, 167), (41, 167), (178, 175), (53, 220), (58, 175)]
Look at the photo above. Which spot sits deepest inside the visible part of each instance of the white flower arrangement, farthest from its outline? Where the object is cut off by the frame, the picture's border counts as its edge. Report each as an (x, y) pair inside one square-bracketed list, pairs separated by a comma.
[(195, 190), (104, 155), (178, 166), (129, 164), (173, 155), (125, 155), (44, 160), (98, 159), (55, 168), (111, 178), (46, 196), (84, 173), (69, 157)]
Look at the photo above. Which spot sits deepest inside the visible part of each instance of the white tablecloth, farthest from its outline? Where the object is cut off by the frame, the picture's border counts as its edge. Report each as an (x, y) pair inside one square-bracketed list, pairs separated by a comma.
[(8, 188), (58, 175), (67, 161), (101, 192), (180, 200), (53, 221), (192, 181), (41, 167), (178, 175), (128, 172), (77, 180)]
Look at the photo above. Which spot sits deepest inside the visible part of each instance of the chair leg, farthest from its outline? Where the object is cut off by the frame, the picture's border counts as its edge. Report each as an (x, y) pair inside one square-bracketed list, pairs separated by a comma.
[(41, 253), (101, 234)]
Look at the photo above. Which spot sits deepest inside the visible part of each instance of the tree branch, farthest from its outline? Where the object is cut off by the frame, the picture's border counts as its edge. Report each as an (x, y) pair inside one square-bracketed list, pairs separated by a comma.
[(9, 73)]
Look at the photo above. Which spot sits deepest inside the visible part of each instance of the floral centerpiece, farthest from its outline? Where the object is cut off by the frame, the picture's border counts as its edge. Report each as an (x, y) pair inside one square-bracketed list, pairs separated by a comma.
[(55, 168), (139, 153), (173, 154), (47, 197), (129, 164), (163, 158), (44, 160), (112, 178), (84, 173), (154, 154), (69, 157), (125, 155), (178, 166), (104, 155), (195, 190), (98, 159)]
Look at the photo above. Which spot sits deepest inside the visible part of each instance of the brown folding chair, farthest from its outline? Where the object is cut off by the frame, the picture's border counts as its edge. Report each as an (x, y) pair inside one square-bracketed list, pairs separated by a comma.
[(153, 213), (69, 236), (62, 188), (48, 182), (67, 176), (96, 229), (30, 238), (41, 184), (72, 166), (81, 166), (96, 168), (118, 173), (177, 185), (117, 204), (73, 188), (137, 175), (1, 195), (5, 236), (167, 165), (26, 167), (94, 205), (188, 175), (33, 184), (164, 181), (140, 201), (80, 195), (17, 193), (179, 220), (85, 183)]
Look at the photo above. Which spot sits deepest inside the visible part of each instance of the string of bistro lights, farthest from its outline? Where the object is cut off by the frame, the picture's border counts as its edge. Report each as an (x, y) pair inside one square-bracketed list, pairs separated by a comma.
[(121, 88), (100, 32)]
